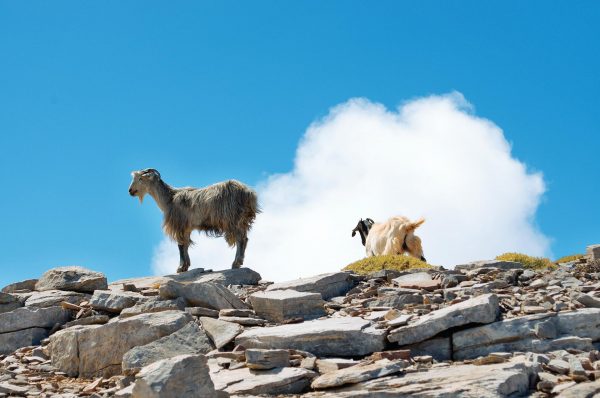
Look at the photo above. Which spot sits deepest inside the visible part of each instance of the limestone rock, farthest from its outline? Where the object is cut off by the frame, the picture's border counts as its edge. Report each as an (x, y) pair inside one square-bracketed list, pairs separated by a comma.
[(593, 251), (480, 309), (417, 280), (26, 285), (115, 301), (273, 382), (77, 279), (589, 301), (25, 318), (344, 337), (11, 341), (503, 265), (267, 359), (189, 340), (220, 332), (329, 285), (50, 298), (97, 350), (154, 304), (8, 302), (356, 374), (582, 390), (396, 301), (183, 376), (235, 276), (279, 305), (440, 348), (204, 294)]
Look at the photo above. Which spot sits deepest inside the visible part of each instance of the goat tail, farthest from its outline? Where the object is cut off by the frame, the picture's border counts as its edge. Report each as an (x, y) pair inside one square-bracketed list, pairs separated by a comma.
[(415, 224)]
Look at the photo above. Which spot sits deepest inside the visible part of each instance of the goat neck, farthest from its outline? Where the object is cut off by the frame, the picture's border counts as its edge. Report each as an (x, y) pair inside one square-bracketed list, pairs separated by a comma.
[(162, 193)]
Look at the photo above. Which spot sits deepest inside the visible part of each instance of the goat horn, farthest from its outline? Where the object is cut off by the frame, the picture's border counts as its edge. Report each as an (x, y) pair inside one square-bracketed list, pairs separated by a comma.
[(151, 171)]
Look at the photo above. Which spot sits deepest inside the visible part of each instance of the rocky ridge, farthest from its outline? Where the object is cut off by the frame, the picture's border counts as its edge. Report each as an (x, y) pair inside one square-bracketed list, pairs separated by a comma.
[(483, 329)]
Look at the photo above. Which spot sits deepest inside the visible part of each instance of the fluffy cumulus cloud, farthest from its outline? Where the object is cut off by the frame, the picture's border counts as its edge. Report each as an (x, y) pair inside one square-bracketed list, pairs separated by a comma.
[(431, 157)]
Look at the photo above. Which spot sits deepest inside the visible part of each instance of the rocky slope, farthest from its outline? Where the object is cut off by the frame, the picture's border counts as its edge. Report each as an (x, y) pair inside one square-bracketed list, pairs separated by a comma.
[(485, 329)]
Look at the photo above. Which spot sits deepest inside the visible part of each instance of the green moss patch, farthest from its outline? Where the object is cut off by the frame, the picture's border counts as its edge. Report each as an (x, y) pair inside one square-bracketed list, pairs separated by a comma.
[(566, 259), (527, 261), (377, 263)]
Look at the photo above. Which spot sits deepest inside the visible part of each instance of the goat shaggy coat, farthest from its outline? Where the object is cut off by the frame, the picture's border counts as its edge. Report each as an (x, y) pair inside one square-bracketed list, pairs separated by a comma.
[(224, 209), (395, 236)]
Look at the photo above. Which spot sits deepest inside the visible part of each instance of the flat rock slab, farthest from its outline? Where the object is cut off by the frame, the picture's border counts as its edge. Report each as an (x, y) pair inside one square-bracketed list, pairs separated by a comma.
[(280, 305), (480, 309), (8, 302), (97, 350), (589, 301), (77, 279), (183, 376), (189, 340), (154, 304), (50, 298), (115, 301), (26, 285), (272, 382), (417, 280), (329, 285), (344, 337), (25, 318), (220, 332), (267, 359), (490, 381), (236, 276), (396, 301), (577, 329), (203, 294), (356, 374), (503, 265), (581, 390)]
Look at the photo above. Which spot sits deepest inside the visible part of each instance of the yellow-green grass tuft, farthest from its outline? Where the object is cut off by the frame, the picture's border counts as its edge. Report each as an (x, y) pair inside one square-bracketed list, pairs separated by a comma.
[(566, 259), (529, 262), (391, 262)]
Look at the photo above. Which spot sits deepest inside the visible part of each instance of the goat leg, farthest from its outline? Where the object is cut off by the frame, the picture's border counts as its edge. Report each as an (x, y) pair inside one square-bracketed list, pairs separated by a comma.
[(240, 252), (184, 258)]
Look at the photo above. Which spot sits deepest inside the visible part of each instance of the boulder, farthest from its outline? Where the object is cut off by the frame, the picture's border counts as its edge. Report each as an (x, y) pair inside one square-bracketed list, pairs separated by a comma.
[(280, 305), (356, 374), (26, 285), (25, 318), (154, 304), (440, 348), (272, 382), (235, 276), (575, 330), (115, 301), (77, 279), (204, 294), (183, 376), (189, 340), (97, 350), (11, 341), (220, 332), (480, 309), (417, 280), (323, 337), (329, 285), (50, 298), (503, 265), (8, 302), (589, 301), (267, 359)]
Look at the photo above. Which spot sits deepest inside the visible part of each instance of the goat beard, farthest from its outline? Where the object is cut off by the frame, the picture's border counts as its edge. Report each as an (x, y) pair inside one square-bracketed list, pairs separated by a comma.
[(141, 198)]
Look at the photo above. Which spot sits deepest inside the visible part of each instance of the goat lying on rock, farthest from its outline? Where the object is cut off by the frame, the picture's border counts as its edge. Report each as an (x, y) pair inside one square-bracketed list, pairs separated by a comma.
[(224, 209), (395, 236), (363, 228)]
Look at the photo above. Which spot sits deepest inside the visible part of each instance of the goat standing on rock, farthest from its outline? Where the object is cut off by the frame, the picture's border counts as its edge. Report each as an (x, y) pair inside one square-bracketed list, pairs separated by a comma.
[(224, 209)]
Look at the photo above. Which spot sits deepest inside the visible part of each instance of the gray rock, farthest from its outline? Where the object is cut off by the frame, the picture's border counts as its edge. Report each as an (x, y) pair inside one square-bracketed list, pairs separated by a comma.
[(204, 294), (584, 322), (11, 341), (154, 304), (12, 389), (329, 285), (26, 285), (115, 301), (272, 382), (280, 305), (267, 359), (481, 309), (183, 376), (417, 280), (490, 381), (51, 298), (8, 302), (97, 350), (581, 390), (236, 276), (189, 340), (202, 311), (559, 366), (588, 301), (90, 320), (326, 337), (25, 318), (396, 301), (503, 265), (593, 251), (220, 332), (356, 374), (440, 348), (77, 279)]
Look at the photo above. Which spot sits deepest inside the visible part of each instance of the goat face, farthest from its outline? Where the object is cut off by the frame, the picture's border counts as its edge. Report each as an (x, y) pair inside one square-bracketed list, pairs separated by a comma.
[(141, 181), (362, 228)]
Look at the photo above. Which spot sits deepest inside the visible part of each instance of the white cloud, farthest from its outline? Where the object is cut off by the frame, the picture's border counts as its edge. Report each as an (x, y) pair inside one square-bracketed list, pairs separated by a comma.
[(432, 157)]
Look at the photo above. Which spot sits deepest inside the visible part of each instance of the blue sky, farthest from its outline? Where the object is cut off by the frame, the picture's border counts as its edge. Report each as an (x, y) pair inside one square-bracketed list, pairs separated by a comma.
[(205, 91)]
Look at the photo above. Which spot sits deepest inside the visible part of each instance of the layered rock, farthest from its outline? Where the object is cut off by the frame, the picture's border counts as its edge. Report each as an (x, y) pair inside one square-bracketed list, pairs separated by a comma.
[(203, 294), (76, 279), (281, 305), (328, 285)]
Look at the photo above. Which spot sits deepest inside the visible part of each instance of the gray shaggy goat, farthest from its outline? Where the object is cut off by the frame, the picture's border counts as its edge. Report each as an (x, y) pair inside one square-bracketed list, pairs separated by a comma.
[(224, 209)]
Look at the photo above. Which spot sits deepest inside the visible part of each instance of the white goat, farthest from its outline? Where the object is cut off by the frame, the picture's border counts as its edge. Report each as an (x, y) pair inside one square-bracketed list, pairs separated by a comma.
[(395, 236)]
